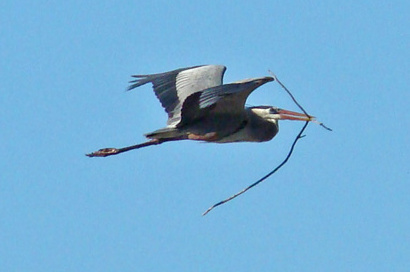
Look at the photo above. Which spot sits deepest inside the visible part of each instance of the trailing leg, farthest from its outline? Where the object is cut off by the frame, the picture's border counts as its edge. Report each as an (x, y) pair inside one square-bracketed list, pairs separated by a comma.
[(104, 152)]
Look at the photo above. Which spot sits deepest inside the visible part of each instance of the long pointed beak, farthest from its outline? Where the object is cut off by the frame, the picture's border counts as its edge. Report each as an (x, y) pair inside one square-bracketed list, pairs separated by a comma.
[(291, 115)]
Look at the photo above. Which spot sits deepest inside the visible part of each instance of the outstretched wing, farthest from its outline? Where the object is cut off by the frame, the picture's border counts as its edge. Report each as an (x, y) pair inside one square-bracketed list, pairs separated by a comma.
[(172, 88), (224, 100)]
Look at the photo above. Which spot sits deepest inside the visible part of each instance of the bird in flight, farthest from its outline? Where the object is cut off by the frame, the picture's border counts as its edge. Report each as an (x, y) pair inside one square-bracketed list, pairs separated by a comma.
[(200, 107)]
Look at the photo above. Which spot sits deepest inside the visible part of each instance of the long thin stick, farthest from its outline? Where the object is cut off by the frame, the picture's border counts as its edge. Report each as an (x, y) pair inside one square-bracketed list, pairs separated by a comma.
[(290, 94), (263, 178), (296, 102), (298, 137)]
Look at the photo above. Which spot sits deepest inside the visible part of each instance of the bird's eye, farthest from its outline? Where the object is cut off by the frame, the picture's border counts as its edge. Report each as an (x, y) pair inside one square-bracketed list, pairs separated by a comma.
[(273, 110)]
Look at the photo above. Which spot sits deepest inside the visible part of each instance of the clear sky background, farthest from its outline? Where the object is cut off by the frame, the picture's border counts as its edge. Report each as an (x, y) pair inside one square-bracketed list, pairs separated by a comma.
[(340, 204)]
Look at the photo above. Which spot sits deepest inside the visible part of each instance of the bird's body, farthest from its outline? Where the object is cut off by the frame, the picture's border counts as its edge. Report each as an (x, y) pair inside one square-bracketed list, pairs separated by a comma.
[(224, 128), (201, 108)]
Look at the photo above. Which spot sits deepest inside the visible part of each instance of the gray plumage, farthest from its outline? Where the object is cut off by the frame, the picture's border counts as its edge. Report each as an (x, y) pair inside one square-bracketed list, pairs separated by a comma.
[(200, 107), (198, 103)]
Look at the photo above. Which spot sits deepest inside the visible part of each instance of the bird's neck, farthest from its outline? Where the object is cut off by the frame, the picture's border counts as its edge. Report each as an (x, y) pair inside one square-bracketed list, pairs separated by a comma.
[(260, 128)]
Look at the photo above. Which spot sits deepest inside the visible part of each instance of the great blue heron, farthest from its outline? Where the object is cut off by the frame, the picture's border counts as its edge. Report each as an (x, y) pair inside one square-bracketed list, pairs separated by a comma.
[(201, 108)]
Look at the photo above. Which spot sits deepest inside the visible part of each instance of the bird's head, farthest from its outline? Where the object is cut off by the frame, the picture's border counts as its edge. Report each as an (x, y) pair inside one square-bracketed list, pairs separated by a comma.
[(273, 114)]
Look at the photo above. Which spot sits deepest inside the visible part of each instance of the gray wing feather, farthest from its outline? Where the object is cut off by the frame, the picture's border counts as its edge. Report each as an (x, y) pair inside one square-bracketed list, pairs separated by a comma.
[(172, 88), (211, 96), (227, 100), (236, 93)]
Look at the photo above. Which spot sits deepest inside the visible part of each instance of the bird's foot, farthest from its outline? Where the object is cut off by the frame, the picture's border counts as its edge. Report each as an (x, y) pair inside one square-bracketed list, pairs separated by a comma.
[(104, 152)]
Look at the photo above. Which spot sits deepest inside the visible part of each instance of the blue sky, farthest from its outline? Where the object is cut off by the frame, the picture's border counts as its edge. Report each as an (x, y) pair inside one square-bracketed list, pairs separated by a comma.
[(340, 204)]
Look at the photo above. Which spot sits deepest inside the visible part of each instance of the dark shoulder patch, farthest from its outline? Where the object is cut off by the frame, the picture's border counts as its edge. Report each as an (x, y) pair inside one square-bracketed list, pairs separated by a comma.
[(191, 110)]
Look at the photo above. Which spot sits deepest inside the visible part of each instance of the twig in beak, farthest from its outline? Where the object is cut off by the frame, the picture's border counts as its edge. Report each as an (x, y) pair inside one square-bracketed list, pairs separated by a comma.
[(298, 137), (294, 100)]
